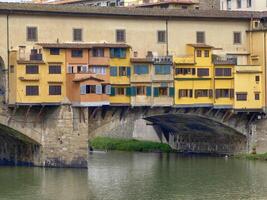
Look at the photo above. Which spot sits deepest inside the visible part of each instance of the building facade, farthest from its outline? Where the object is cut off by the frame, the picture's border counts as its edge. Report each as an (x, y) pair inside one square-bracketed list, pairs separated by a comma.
[(243, 5), (134, 60)]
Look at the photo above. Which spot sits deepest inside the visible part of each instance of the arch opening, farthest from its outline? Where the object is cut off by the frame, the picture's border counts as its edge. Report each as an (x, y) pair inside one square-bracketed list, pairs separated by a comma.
[(16, 149), (195, 134)]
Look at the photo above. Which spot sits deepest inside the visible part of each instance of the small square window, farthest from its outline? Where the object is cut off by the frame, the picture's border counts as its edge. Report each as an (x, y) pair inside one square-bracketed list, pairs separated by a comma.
[(257, 96), (200, 37), (161, 36), (237, 37), (257, 79), (120, 36), (199, 53), (54, 51), (77, 34), (207, 53), (32, 34), (77, 53)]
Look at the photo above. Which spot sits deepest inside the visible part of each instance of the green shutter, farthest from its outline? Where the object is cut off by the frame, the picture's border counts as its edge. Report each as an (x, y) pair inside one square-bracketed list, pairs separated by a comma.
[(133, 91), (112, 91), (156, 92), (171, 91), (148, 91), (128, 91), (128, 71)]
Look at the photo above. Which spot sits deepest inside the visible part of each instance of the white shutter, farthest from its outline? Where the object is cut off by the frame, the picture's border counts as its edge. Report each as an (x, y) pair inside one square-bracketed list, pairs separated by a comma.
[(84, 68), (108, 89), (83, 89), (98, 89), (70, 69)]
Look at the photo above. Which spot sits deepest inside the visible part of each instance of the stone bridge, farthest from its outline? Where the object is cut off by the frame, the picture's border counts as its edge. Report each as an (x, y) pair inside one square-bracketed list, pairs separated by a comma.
[(201, 130)]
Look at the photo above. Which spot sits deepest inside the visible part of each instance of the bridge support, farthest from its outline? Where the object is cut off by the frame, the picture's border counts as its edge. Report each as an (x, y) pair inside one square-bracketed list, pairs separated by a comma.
[(65, 138)]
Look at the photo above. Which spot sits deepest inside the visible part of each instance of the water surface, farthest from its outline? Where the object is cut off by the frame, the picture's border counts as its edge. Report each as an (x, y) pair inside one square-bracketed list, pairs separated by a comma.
[(137, 176)]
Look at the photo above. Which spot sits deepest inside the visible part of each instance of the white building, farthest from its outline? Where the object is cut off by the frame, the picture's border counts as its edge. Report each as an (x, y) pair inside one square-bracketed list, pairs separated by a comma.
[(245, 5)]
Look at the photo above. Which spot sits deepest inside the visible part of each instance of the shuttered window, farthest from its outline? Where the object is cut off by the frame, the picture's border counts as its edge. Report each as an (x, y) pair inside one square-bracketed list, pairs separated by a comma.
[(162, 69), (122, 71), (113, 71), (32, 34), (70, 69), (141, 69), (120, 35), (237, 37), (203, 72), (98, 70), (54, 51), (77, 35), (200, 37), (108, 89), (199, 53), (117, 52), (223, 93), (185, 71), (185, 93), (161, 36), (98, 52), (257, 96), (140, 90), (54, 89), (203, 93), (77, 53), (32, 69), (32, 90), (54, 69)]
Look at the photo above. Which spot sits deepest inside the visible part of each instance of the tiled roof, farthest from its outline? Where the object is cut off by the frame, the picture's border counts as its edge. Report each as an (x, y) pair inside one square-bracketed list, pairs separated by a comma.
[(80, 10), (81, 45)]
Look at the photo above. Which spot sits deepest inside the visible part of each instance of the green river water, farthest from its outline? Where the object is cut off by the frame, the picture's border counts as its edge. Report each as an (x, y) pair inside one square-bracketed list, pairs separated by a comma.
[(138, 176)]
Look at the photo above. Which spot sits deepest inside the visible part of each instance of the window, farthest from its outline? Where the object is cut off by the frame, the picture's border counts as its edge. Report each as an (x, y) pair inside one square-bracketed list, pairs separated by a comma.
[(118, 53), (32, 90), (70, 69), (120, 91), (223, 93), (203, 93), (239, 3), (113, 71), (141, 90), (98, 70), (54, 51), (185, 71), (249, 4), (54, 89), (162, 69), (12, 68), (90, 89), (141, 69), (32, 69), (120, 35), (82, 69), (77, 53), (185, 93), (229, 5), (122, 71), (32, 34), (200, 37), (223, 72), (241, 96), (163, 91), (257, 96), (199, 53), (98, 52), (207, 53), (257, 79), (237, 37), (77, 34), (54, 69), (161, 36), (203, 72)]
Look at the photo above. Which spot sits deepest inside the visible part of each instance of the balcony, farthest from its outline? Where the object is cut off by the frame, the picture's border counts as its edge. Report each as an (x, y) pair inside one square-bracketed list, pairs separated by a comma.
[(163, 60), (223, 60), (184, 60), (248, 69)]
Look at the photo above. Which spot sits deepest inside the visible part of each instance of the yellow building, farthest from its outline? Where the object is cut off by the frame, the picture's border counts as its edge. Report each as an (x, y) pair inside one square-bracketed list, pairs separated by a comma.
[(194, 77), (120, 72), (37, 78), (248, 86), (224, 83)]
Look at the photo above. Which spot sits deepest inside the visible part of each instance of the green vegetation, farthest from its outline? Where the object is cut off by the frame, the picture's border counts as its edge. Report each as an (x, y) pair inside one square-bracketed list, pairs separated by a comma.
[(106, 143), (253, 156)]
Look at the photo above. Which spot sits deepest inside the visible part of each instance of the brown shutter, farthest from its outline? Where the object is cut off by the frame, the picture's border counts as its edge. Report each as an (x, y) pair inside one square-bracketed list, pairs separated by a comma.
[(217, 93), (180, 93), (232, 93), (210, 93), (196, 94)]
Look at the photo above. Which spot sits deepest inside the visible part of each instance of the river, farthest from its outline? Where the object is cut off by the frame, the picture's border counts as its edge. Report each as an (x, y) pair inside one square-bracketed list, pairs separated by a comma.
[(138, 176)]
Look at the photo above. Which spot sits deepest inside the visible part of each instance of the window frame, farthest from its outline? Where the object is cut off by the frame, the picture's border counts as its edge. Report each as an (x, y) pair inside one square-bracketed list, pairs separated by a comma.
[(234, 38), (36, 34), (75, 56), (163, 37), (118, 32), (74, 36), (30, 93), (27, 71), (50, 91), (201, 36), (50, 71)]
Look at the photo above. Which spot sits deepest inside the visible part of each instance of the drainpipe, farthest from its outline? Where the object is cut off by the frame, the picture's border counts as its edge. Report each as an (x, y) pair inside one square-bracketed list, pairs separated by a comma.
[(167, 37), (265, 65), (7, 67)]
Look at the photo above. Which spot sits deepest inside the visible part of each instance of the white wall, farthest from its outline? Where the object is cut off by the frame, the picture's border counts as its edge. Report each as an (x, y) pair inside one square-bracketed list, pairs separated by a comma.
[(256, 5)]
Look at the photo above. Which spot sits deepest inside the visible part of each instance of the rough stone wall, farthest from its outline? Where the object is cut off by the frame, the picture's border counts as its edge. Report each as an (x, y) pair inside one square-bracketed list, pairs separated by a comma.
[(259, 136), (209, 4), (65, 138)]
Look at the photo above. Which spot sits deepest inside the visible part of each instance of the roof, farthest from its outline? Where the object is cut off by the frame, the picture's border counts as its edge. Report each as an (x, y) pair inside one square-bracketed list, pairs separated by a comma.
[(200, 45), (85, 78), (81, 10), (81, 45), (182, 2)]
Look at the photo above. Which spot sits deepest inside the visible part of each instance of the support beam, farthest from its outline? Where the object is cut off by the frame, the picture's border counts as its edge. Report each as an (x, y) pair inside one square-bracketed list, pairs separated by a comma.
[(13, 114), (38, 117), (26, 116)]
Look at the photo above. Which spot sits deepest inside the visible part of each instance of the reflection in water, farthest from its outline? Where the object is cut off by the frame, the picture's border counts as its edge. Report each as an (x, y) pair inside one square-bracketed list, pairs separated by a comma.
[(134, 176)]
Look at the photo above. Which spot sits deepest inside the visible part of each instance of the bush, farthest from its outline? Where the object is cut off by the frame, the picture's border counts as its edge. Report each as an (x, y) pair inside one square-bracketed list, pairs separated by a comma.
[(106, 143), (253, 156)]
